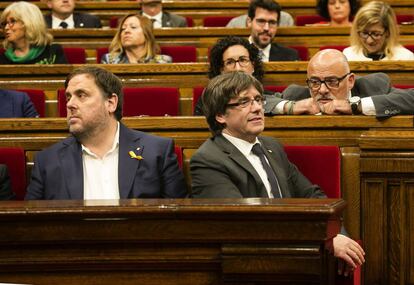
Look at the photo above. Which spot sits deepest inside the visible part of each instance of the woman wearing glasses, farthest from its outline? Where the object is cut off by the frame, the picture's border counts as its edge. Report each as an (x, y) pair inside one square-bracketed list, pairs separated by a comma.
[(134, 42), (26, 39), (374, 35)]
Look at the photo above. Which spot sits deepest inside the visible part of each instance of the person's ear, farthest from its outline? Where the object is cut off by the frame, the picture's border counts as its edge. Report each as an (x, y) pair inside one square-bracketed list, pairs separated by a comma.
[(112, 103), (351, 81), (249, 22), (220, 118)]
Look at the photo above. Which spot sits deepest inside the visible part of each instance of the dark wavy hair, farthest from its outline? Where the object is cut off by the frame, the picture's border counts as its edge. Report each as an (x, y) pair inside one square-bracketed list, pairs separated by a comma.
[(322, 8), (217, 51)]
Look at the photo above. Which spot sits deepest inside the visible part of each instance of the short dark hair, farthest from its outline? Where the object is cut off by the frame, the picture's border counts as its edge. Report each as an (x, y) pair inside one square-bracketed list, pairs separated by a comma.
[(322, 8), (217, 51), (269, 5), (106, 81), (220, 90)]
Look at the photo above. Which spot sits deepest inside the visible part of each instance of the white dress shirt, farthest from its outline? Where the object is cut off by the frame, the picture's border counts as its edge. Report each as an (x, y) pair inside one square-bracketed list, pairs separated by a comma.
[(100, 176), (246, 149), (69, 20), (264, 53), (157, 20)]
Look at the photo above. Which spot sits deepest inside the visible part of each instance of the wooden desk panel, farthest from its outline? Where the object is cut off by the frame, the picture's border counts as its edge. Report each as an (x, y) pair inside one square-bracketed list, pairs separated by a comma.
[(169, 241)]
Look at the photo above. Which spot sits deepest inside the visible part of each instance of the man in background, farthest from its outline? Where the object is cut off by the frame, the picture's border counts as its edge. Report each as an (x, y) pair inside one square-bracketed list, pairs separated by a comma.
[(16, 104), (152, 9), (62, 16)]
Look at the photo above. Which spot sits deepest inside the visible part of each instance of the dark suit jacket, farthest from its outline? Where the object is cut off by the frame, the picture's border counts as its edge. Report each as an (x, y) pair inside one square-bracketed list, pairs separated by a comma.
[(388, 101), (280, 53), (14, 104), (220, 170), (58, 171), (81, 20), (6, 192)]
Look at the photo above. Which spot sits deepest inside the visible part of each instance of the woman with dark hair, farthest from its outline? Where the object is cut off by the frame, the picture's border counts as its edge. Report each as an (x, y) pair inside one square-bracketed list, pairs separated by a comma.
[(234, 54), (339, 12)]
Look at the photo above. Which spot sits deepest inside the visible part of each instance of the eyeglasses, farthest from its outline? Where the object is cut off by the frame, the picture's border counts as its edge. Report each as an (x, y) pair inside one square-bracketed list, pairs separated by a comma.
[(10, 22), (231, 62), (246, 101), (330, 82), (374, 35), (262, 23)]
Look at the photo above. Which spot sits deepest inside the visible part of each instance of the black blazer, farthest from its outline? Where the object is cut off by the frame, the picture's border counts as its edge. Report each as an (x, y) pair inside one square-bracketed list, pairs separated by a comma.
[(280, 53)]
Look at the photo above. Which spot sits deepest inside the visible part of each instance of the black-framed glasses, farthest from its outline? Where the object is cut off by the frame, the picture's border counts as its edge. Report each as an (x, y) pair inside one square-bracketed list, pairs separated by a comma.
[(231, 62), (330, 82), (262, 22), (10, 22), (246, 101), (374, 35)]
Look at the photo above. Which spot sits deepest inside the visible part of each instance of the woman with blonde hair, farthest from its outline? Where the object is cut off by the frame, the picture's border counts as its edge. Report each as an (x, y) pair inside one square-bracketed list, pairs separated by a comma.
[(27, 40), (374, 35), (134, 42)]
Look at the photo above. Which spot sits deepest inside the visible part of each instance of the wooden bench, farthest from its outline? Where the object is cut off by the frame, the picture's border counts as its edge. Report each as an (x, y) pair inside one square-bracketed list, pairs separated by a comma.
[(185, 76)]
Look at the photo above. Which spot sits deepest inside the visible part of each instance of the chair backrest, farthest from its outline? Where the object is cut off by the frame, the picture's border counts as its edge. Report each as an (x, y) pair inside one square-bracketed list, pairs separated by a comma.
[(275, 88), (38, 98), (407, 19), (303, 20), (100, 52), (216, 21), (302, 51), (409, 47), (338, 47), (404, 86), (61, 102), (15, 160), (180, 53), (320, 164), (179, 152), (75, 55), (151, 101)]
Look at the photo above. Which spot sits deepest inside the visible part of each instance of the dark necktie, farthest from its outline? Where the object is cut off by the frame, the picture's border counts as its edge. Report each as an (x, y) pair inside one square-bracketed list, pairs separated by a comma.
[(64, 25), (271, 176)]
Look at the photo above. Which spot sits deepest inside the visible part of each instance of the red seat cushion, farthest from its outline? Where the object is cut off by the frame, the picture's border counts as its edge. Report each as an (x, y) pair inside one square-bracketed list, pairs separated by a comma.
[(180, 53), (38, 97), (303, 20), (216, 21), (75, 55), (15, 160)]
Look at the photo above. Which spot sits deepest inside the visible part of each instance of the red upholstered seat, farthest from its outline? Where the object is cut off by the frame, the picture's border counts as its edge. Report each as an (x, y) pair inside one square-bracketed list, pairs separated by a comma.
[(38, 98), (61, 102), (216, 21), (75, 55), (322, 166), (303, 20), (275, 88), (180, 53), (151, 101), (338, 47), (405, 19), (15, 160), (404, 86), (410, 47), (302, 51)]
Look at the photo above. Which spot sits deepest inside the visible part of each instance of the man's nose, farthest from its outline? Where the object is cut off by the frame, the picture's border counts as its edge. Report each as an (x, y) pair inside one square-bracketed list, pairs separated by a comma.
[(323, 89)]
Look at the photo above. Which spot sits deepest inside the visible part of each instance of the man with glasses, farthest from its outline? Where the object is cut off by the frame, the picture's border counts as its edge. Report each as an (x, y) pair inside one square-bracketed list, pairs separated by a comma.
[(333, 89), (239, 163), (263, 19)]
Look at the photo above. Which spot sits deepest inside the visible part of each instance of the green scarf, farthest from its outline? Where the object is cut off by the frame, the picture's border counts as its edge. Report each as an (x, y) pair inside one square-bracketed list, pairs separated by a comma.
[(34, 52)]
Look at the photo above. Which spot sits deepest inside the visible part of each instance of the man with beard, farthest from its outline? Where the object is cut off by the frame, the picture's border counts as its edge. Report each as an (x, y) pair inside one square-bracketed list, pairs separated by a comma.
[(334, 89), (103, 159), (263, 19)]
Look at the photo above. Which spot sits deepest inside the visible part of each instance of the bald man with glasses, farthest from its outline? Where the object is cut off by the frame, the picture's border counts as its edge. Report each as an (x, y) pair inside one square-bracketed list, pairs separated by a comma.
[(333, 89)]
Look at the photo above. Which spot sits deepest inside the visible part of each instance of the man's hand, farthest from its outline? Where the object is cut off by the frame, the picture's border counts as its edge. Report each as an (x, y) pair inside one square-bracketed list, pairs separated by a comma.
[(350, 253), (305, 106), (336, 107)]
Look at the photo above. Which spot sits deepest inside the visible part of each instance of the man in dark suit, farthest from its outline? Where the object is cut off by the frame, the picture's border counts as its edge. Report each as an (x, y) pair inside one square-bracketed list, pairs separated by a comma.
[(15, 104), (153, 9), (263, 18), (6, 192), (103, 159), (64, 17), (333, 89), (239, 163)]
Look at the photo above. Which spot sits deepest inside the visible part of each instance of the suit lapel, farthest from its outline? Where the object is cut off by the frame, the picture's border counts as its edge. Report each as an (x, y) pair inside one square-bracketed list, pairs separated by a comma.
[(235, 155), (277, 168), (72, 167), (127, 166)]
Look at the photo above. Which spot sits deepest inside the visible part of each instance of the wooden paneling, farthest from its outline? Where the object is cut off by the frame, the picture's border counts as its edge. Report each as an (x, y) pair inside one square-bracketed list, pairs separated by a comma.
[(175, 241)]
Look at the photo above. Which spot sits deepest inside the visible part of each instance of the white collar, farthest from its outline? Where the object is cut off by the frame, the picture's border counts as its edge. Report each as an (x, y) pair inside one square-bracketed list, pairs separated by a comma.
[(243, 146)]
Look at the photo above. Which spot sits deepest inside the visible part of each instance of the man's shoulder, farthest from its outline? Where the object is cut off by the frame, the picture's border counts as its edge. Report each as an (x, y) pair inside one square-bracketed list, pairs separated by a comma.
[(55, 148), (295, 92), (283, 53), (7, 92)]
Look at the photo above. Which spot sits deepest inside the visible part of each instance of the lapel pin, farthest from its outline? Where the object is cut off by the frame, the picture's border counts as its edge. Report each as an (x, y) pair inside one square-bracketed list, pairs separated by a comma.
[(133, 155)]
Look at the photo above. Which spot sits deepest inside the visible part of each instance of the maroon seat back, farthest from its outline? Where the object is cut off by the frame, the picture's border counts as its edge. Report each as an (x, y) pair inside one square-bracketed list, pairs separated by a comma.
[(337, 47), (75, 55), (180, 53), (216, 21), (275, 88), (15, 160), (303, 20), (61, 102), (405, 19), (302, 51), (38, 98), (151, 101)]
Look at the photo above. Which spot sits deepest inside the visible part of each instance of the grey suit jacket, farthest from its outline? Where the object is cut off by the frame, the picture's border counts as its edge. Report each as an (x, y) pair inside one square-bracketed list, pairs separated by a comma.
[(220, 170), (173, 20), (81, 20), (58, 170), (388, 101)]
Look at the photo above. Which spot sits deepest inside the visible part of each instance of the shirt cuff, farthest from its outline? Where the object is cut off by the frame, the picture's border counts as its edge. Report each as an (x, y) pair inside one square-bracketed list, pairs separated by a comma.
[(280, 106), (367, 106)]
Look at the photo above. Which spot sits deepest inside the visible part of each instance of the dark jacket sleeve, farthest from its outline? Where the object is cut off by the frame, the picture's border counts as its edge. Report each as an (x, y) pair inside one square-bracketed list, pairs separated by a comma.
[(57, 51), (28, 109), (6, 192)]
